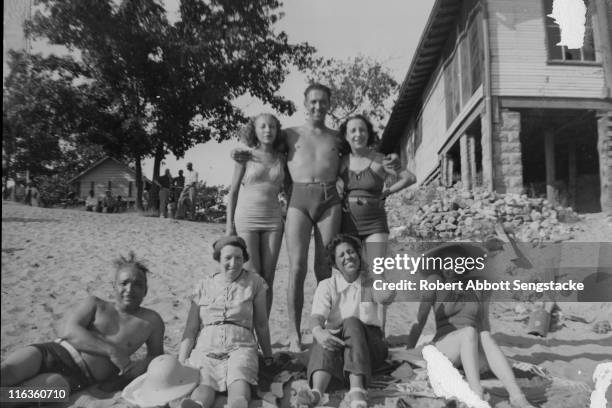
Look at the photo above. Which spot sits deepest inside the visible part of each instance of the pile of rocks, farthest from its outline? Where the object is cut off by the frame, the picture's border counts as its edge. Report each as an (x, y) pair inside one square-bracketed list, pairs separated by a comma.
[(439, 213)]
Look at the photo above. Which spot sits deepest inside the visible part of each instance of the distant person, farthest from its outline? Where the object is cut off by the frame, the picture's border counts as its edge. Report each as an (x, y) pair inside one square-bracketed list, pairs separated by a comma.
[(179, 181), (120, 205), (164, 182), (108, 203), (146, 197), (97, 339), (177, 188), (253, 210), (20, 192), (188, 193), (28, 193), (34, 195), (91, 202)]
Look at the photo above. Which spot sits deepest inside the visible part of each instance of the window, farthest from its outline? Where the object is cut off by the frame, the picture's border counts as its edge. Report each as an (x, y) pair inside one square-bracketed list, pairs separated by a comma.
[(92, 187), (130, 189), (553, 36), (109, 185), (463, 70)]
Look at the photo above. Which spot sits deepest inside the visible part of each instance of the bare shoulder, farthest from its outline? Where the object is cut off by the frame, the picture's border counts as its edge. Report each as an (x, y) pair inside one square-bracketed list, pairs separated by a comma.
[(377, 157), (292, 132), (151, 316), (332, 132), (97, 303)]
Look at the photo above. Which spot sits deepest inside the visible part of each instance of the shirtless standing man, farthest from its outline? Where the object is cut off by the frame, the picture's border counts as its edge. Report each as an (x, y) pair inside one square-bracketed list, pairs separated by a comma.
[(97, 339), (313, 161)]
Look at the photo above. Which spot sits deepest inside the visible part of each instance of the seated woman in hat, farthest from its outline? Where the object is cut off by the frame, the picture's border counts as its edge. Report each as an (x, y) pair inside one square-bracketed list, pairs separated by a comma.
[(462, 325), (227, 305), (348, 338)]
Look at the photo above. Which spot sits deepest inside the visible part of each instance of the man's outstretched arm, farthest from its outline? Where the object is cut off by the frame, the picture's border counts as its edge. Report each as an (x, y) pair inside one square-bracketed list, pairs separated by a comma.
[(76, 333)]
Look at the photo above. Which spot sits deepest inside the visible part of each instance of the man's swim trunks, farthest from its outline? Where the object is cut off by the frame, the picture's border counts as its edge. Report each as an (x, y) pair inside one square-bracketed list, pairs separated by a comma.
[(313, 199), (57, 357)]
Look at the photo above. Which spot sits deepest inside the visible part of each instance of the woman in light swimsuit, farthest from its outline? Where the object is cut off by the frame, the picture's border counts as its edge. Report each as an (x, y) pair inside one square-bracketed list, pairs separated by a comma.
[(462, 326), (254, 211)]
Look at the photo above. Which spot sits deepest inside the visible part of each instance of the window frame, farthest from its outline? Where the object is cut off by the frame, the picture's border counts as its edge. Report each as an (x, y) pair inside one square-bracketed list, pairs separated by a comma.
[(548, 22)]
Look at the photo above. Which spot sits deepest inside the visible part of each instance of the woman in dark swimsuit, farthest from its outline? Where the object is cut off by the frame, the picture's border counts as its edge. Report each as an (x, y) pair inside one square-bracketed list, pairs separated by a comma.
[(364, 177), (364, 183), (462, 326)]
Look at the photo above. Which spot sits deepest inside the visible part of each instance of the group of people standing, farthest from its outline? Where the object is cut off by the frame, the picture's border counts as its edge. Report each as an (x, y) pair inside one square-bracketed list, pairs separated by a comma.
[(337, 188), (177, 195), (336, 183)]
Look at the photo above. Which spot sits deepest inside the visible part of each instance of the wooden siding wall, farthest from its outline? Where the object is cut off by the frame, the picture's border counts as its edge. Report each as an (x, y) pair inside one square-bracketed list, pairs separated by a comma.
[(519, 56), (407, 147), (100, 176), (433, 115), (433, 120)]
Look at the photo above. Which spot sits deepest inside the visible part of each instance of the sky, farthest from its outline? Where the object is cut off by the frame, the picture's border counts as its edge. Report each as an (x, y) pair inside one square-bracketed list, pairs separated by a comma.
[(387, 30)]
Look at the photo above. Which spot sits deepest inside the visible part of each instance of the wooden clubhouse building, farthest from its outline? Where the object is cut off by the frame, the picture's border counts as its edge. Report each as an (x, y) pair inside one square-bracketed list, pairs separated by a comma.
[(490, 100)]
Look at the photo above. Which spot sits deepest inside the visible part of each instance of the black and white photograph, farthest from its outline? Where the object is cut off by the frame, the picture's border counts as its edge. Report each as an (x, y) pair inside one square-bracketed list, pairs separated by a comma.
[(306, 203)]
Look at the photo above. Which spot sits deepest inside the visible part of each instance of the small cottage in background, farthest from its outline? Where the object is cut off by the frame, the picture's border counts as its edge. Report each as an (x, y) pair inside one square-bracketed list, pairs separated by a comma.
[(492, 100), (107, 174)]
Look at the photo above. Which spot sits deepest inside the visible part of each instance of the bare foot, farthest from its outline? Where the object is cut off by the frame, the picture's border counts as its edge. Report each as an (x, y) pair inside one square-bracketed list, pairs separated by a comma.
[(295, 345), (520, 401)]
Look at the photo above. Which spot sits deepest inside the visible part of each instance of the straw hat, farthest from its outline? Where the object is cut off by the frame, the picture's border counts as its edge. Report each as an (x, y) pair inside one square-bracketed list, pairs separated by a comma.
[(165, 380)]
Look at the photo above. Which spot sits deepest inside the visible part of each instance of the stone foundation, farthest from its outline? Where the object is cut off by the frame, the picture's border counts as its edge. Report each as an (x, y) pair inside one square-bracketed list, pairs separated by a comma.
[(506, 160), (604, 146)]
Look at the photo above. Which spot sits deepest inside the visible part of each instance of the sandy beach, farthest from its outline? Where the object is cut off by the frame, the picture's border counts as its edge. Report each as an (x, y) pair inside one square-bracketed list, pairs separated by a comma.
[(52, 258)]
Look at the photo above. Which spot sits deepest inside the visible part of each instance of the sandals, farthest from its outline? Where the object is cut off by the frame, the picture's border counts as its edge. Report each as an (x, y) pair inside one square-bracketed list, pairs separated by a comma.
[(357, 398)]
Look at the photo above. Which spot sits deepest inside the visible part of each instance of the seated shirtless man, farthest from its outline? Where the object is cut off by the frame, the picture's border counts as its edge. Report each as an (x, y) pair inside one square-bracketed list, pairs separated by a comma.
[(97, 339), (313, 161)]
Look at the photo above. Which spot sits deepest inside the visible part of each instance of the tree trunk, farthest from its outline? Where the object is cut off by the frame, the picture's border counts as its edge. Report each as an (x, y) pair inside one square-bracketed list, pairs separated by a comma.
[(138, 184), (154, 193)]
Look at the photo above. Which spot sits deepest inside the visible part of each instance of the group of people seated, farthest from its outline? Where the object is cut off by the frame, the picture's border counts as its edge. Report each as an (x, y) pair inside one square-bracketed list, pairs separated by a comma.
[(227, 328), (337, 183), (107, 204)]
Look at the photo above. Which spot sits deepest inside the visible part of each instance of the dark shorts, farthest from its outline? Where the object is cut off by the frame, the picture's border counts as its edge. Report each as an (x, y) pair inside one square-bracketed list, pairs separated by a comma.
[(56, 359), (366, 350), (313, 199), (364, 216)]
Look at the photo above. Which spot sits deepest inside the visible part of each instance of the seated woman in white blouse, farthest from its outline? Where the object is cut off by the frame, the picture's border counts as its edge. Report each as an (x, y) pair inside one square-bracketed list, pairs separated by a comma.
[(348, 339)]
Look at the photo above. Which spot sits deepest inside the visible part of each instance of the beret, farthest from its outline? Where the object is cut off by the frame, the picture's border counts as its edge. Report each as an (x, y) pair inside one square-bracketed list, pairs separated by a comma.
[(233, 240)]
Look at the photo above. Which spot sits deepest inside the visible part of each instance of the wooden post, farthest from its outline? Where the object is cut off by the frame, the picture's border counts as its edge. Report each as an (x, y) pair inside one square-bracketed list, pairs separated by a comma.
[(549, 157), (571, 164), (450, 168), (602, 38), (465, 162), (443, 170), (472, 160)]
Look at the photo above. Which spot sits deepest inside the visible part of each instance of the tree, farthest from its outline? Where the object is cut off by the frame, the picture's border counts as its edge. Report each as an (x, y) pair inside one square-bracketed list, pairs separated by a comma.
[(165, 87), (42, 117), (359, 85)]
